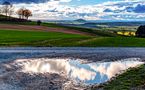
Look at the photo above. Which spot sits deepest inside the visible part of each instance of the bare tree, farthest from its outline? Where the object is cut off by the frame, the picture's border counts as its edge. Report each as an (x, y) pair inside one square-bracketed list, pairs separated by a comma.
[(7, 8), (11, 11), (0, 10)]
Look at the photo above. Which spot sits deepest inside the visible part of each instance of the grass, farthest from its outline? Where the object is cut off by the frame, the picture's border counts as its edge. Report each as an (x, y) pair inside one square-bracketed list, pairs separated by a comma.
[(57, 39), (35, 38), (114, 42), (102, 38), (132, 78)]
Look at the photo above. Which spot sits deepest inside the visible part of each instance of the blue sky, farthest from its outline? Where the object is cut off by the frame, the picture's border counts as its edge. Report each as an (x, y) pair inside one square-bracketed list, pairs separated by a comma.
[(85, 9), (88, 2)]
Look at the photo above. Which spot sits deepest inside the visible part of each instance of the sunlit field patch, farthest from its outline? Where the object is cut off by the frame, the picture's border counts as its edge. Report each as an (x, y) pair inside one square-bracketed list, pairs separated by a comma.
[(126, 33)]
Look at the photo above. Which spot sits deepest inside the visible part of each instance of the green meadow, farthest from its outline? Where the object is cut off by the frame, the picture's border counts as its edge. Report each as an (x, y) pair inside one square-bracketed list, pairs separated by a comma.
[(132, 79), (103, 37), (58, 39), (37, 38)]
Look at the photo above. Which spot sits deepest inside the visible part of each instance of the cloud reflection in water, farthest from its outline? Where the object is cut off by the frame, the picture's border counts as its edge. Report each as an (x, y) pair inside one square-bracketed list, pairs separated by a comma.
[(91, 73)]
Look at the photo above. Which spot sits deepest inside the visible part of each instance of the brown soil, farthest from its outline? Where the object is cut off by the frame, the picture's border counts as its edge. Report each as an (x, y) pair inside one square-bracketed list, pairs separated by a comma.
[(41, 28)]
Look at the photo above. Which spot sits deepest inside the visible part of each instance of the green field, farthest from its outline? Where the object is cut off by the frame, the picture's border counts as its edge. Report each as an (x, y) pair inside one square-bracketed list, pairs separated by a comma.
[(132, 79), (115, 42), (103, 37), (37, 38)]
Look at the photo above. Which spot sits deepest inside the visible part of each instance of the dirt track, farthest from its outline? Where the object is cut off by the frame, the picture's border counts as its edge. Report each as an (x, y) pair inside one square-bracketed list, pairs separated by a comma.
[(40, 28)]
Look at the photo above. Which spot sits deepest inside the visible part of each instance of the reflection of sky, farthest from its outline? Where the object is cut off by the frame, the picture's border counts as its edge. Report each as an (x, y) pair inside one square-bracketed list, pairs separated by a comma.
[(104, 71), (91, 73)]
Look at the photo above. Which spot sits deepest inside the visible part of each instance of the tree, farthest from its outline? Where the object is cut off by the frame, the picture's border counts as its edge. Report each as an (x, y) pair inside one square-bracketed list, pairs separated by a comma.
[(140, 31), (27, 13), (11, 11), (7, 8), (22, 12), (0, 10)]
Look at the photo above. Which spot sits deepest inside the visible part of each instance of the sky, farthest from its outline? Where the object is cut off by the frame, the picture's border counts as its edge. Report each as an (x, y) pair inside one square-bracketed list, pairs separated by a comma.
[(84, 9)]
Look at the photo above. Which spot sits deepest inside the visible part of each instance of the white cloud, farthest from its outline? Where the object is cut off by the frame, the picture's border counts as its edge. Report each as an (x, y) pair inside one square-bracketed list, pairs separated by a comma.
[(54, 9)]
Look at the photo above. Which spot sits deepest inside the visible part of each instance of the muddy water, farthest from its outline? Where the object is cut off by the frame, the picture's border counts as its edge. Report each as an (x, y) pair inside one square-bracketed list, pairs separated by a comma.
[(63, 68), (92, 54), (89, 73)]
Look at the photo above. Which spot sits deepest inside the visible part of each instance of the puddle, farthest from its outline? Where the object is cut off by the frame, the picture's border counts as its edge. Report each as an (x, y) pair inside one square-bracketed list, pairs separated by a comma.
[(42, 70), (90, 73)]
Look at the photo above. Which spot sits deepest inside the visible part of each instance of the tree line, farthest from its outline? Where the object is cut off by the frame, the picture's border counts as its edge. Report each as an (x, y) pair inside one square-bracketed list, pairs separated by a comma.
[(7, 9)]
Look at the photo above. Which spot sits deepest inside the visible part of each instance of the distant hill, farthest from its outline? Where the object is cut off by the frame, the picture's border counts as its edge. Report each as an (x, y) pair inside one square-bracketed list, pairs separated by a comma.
[(80, 20)]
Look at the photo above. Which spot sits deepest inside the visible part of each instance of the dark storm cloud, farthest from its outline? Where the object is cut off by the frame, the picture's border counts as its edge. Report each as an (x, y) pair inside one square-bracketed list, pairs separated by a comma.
[(24, 1)]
